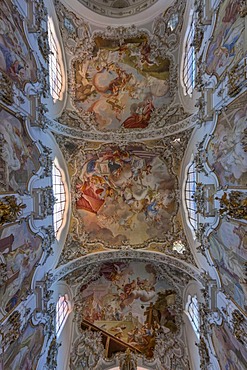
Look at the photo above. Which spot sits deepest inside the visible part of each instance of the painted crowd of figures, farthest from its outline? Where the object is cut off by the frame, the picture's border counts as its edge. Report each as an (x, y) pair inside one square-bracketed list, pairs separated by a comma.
[(130, 304), (123, 84), (121, 194)]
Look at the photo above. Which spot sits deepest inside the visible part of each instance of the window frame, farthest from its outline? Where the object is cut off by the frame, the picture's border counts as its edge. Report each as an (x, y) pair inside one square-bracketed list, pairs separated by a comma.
[(189, 62), (62, 313), (60, 198), (189, 193), (194, 313), (55, 70)]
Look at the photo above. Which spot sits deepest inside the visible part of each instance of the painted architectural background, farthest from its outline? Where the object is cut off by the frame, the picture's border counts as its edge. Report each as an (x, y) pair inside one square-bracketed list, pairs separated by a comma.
[(129, 303)]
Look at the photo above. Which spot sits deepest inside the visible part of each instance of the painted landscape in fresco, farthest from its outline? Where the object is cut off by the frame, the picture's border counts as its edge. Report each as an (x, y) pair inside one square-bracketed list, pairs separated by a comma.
[(231, 353), (227, 151), (16, 59), (228, 249), (18, 156), (125, 195), (20, 250), (23, 353), (227, 44), (122, 84), (130, 304)]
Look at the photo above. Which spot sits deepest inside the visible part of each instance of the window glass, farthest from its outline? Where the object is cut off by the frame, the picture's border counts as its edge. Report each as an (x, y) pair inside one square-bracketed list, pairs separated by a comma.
[(59, 194), (190, 188), (189, 67), (193, 312), (62, 311), (173, 21), (55, 75)]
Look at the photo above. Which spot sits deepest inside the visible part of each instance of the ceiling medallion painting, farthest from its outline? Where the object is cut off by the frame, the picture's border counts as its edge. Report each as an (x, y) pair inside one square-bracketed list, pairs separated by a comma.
[(227, 43), (228, 146), (118, 8), (124, 195), (123, 84), (16, 59), (129, 305), (19, 158), (122, 80)]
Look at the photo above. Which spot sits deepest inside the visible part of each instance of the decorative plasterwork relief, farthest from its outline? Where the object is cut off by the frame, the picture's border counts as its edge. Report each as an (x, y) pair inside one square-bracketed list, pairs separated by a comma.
[(122, 79), (167, 28), (179, 279), (75, 31), (75, 122), (83, 264), (6, 87), (118, 8), (167, 118), (87, 350), (175, 138)]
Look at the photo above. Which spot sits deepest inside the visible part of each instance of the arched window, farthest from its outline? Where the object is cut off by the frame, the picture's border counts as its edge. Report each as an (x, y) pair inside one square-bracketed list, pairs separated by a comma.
[(55, 74), (59, 194), (193, 313), (190, 189), (189, 65), (62, 312)]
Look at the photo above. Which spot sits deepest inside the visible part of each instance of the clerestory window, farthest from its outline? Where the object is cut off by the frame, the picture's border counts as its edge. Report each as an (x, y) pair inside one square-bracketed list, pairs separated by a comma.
[(55, 74), (193, 313), (190, 189), (59, 194), (62, 312), (189, 65)]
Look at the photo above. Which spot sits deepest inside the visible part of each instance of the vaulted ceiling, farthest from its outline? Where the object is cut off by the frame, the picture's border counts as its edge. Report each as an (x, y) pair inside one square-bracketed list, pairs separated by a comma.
[(128, 132), (124, 134)]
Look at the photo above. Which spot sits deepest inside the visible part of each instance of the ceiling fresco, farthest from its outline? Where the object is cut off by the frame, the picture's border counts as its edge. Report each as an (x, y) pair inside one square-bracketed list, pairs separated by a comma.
[(121, 79), (123, 84), (128, 305), (230, 352), (227, 149), (27, 348), (20, 251), (16, 60), (124, 195), (18, 157), (227, 247), (125, 141), (227, 44)]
